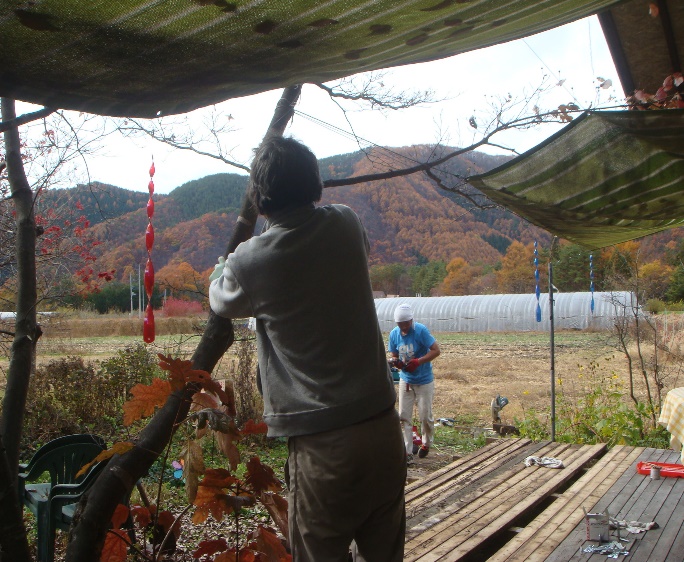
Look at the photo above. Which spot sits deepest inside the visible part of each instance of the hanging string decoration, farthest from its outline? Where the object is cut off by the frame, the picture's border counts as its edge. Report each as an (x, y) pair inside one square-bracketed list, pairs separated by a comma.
[(148, 322), (536, 279), (591, 280)]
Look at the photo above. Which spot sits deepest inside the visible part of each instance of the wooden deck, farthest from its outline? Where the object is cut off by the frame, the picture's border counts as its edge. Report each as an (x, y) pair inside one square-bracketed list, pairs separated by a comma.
[(490, 506)]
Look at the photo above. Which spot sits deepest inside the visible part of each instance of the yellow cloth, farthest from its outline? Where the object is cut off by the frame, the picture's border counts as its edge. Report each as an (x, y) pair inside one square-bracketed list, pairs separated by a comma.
[(672, 417)]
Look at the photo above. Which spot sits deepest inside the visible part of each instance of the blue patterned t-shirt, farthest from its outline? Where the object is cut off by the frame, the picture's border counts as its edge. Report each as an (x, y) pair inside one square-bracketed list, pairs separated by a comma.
[(414, 344)]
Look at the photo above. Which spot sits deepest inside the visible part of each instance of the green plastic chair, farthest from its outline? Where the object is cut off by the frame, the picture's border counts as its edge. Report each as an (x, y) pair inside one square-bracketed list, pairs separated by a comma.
[(62, 502), (62, 461)]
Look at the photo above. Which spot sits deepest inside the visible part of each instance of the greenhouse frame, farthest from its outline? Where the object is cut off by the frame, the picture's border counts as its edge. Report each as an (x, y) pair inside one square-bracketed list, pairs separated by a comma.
[(510, 313)]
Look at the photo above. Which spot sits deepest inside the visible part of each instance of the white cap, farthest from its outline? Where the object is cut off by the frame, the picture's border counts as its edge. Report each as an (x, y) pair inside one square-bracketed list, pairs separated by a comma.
[(403, 313)]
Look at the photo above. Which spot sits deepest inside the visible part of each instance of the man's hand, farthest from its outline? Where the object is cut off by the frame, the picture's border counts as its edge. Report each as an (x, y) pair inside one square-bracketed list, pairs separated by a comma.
[(412, 365), (396, 363), (218, 269)]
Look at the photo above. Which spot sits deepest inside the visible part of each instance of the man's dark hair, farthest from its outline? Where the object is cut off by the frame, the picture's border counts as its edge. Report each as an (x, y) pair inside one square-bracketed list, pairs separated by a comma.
[(284, 174)]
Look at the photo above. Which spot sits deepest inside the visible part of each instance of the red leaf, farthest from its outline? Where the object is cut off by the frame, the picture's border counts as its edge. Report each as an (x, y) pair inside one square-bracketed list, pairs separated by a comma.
[(166, 519), (277, 508), (120, 516), (261, 477), (230, 556), (269, 543), (180, 371), (115, 547), (145, 399), (210, 547), (213, 500), (218, 478), (141, 515), (203, 400), (226, 442)]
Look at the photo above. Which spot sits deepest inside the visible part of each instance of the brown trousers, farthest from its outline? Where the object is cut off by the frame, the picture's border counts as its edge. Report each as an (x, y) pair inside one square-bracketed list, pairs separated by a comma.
[(348, 485)]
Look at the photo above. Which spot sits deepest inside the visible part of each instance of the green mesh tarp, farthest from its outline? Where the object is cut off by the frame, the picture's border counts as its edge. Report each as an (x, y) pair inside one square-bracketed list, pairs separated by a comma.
[(607, 177), (149, 57)]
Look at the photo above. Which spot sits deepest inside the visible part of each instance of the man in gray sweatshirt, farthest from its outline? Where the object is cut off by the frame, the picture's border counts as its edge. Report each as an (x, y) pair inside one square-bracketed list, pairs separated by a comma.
[(323, 369)]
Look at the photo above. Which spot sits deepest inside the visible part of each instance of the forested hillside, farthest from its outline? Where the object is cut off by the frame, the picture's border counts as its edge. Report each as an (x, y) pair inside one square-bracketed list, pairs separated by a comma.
[(408, 219), (97, 201), (410, 222)]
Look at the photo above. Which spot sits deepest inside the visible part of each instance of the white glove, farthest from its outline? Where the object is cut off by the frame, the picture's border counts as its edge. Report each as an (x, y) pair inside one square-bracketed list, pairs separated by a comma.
[(218, 269)]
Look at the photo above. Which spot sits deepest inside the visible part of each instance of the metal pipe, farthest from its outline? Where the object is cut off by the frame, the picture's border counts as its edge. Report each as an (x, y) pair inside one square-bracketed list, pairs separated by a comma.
[(552, 344)]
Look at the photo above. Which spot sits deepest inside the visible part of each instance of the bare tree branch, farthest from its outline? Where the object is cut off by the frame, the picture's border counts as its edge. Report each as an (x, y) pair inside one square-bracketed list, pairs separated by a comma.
[(372, 90), (458, 190), (159, 131), (26, 118)]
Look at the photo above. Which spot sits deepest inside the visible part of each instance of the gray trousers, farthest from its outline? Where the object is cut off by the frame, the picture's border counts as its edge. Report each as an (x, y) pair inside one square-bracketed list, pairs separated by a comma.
[(422, 395), (348, 485)]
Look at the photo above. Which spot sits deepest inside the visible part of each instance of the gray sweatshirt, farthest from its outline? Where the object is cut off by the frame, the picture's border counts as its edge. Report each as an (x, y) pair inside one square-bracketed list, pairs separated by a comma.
[(321, 354)]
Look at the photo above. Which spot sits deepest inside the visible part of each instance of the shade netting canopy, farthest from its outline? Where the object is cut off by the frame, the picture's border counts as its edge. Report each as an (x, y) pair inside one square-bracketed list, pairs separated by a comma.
[(149, 57), (510, 313), (607, 177)]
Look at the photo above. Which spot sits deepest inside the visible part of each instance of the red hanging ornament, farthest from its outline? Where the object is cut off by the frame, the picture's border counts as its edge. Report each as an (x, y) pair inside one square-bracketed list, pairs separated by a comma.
[(149, 237), (149, 278), (148, 325)]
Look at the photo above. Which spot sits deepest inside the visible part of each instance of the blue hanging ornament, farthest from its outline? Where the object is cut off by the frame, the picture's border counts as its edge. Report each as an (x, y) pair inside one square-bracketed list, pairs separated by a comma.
[(536, 279), (591, 280)]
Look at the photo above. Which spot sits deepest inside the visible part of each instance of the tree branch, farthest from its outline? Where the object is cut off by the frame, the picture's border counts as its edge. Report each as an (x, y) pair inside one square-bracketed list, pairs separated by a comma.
[(6, 125), (184, 144), (374, 92)]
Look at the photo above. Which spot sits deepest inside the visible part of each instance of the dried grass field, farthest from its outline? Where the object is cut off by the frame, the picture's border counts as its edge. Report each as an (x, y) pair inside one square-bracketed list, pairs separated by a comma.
[(472, 369)]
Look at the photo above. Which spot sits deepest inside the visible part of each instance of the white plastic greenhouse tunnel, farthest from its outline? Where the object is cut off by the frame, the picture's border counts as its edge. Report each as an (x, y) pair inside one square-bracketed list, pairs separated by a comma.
[(510, 313)]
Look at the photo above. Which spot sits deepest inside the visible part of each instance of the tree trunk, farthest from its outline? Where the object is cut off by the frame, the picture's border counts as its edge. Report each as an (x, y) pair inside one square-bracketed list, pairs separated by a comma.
[(122, 472), (13, 541)]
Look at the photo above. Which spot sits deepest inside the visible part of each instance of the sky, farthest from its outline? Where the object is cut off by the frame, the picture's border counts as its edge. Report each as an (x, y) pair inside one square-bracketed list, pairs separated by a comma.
[(569, 60)]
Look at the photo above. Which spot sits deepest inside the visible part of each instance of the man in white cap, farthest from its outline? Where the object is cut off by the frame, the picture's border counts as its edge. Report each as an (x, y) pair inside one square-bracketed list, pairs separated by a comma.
[(413, 348)]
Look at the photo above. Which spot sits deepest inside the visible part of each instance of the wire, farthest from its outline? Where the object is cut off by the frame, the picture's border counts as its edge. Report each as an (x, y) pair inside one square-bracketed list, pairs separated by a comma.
[(546, 66), (386, 156)]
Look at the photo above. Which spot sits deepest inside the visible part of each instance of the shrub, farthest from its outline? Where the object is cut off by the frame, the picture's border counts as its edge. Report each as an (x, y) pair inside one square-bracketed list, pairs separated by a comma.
[(130, 366), (178, 307), (600, 412), (655, 306), (70, 396)]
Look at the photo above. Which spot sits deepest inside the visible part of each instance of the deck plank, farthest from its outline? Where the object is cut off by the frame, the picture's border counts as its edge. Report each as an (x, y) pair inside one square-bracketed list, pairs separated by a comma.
[(636, 497), (467, 510), (480, 461), (426, 523), (496, 506), (461, 485), (547, 529)]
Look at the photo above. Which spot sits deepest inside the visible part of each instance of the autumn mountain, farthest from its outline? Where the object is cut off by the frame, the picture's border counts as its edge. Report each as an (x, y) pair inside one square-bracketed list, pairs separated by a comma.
[(409, 220)]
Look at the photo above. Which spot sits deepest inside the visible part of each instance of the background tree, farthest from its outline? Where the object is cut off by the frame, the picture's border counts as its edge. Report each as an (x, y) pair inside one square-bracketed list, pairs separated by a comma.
[(13, 541), (655, 279), (571, 268), (426, 278), (182, 281), (517, 270), (38, 249), (390, 279), (460, 278)]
